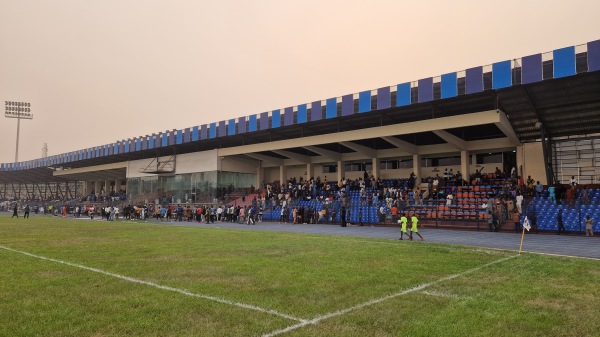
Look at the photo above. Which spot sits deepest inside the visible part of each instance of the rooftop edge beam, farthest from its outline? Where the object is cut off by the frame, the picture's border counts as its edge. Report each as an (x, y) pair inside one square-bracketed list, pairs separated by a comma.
[(264, 158), (299, 157), (472, 119), (506, 128), (325, 153), (403, 145), (451, 139), (363, 150)]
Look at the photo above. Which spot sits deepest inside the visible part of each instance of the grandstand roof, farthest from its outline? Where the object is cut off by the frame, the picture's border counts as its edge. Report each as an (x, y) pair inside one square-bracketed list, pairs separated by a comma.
[(563, 94)]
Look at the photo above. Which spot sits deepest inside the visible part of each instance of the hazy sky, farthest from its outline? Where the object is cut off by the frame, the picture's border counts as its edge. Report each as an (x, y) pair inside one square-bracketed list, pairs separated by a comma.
[(97, 71)]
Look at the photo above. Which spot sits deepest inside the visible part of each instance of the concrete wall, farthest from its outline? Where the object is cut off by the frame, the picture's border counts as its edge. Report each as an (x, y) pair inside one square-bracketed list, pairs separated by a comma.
[(533, 159), (240, 165)]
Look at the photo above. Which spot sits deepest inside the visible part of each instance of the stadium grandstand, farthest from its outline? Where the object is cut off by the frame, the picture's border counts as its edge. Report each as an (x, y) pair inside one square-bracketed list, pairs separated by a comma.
[(479, 135)]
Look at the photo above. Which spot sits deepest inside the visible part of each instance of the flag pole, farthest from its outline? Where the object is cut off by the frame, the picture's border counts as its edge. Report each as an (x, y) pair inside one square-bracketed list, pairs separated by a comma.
[(527, 227), (522, 237)]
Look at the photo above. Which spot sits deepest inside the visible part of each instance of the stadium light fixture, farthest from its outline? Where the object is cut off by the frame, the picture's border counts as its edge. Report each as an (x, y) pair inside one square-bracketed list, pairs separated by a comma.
[(18, 110)]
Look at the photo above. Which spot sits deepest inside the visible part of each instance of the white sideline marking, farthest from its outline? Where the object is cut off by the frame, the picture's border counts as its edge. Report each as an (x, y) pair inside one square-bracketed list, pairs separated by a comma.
[(181, 291), (438, 294), (381, 299)]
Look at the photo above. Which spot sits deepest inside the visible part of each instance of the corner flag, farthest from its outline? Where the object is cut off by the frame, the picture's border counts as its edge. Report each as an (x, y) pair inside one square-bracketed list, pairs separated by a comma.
[(526, 224)]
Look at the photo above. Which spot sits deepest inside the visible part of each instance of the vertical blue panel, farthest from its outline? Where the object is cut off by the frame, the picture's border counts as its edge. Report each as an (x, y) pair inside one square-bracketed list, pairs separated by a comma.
[(138, 144), (531, 69), (179, 137), (331, 108), (425, 90), (252, 124), (126, 150), (97, 152), (564, 62), (242, 125), (501, 75), (172, 138), (449, 87), (115, 151), (111, 150), (264, 120), (145, 143), (474, 80), (288, 116), (231, 127), (132, 145), (384, 100), (187, 135), (315, 111), (364, 101), (302, 113), (347, 105), (222, 129), (195, 134), (105, 150), (593, 54), (275, 119), (403, 94), (164, 141), (212, 130), (151, 142), (203, 131)]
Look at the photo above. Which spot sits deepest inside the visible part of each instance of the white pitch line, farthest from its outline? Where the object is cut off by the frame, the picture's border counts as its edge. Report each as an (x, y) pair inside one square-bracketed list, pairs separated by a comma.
[(381, 299), (438, 294), (152, 284)]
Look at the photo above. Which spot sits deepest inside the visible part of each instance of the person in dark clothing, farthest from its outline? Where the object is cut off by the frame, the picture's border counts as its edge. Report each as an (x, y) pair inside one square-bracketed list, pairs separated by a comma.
[(343, 216), (15, 212), (26, 214), (559, 221)]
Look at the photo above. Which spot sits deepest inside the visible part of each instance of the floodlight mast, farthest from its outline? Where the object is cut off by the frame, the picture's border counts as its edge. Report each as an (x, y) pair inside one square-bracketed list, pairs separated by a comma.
[(18, 110)]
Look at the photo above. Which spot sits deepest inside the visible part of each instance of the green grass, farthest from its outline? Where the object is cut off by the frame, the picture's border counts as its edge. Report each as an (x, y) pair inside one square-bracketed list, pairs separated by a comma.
[(300, 275)]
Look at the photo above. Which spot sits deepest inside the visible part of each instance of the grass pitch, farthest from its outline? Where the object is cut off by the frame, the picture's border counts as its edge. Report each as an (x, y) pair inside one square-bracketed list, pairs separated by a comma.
[(98, 278)]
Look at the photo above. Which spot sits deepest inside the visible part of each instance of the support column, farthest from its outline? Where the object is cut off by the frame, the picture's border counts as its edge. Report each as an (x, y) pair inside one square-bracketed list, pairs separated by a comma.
[(520, 161), (107, 188), (375, 164), (340, 170), (283, 175), (260, 176), (464, 166), (310, 171), (417, 168), (97, 187), (117, 185)]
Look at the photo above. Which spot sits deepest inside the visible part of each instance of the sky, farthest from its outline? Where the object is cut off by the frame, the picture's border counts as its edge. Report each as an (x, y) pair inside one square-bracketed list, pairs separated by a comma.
[(100, 71)]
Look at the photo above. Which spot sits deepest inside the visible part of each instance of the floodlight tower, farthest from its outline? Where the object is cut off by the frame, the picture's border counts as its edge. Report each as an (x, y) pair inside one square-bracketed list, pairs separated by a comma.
[(18, 110)]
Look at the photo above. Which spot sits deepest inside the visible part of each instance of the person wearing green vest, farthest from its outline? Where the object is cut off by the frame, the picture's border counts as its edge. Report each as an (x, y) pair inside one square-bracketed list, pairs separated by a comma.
[(403, 220), (414, 229)]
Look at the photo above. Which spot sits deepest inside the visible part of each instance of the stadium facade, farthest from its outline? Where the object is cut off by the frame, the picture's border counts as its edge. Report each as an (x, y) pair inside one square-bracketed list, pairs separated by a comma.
[(539, 113)]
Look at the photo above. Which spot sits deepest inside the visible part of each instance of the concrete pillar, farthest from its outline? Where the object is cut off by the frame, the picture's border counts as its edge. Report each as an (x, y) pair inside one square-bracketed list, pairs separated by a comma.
[(260, 176), (310, 171), (117, 185), (417, 168), (97, 187), (520, 161), (107, 187), (464, 165), (283, 175), (340, 170), (375, 165)]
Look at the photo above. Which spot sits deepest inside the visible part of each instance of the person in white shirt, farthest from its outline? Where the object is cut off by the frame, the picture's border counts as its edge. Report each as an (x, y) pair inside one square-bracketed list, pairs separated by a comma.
[(519, 200), (449, 199), (573, 181)]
